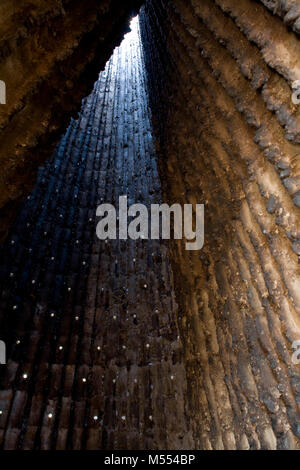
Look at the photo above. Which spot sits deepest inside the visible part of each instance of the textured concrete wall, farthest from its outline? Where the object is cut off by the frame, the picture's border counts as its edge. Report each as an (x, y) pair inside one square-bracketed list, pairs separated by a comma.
[(220, 75), (50, 56)]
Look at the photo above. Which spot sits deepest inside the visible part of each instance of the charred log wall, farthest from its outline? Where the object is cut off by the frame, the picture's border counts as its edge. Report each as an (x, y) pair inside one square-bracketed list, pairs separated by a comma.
[(50, 55), (220, 83)]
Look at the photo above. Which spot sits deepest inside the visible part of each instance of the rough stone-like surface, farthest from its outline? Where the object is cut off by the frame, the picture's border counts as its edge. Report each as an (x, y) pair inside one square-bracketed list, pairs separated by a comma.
[(220, 75), (74, 308), (50, 56)]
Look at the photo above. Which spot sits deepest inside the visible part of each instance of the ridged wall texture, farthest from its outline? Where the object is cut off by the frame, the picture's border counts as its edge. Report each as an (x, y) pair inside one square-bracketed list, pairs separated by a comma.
[(94, 353), (51, 53), (221, 75)]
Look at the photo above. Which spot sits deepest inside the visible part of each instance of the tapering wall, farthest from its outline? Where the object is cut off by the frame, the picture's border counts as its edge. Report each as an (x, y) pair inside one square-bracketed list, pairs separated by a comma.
[(50, 55), (221, 75)]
